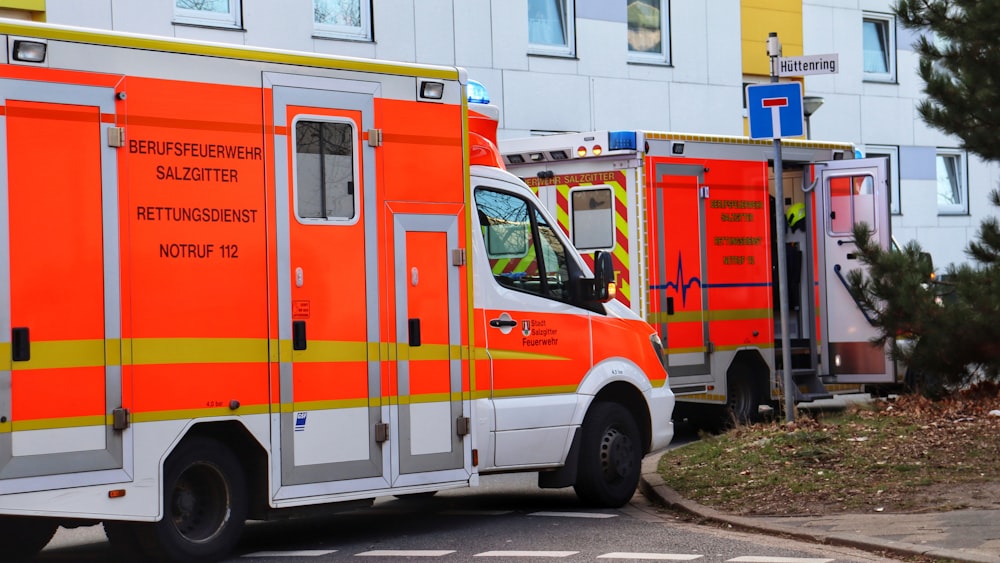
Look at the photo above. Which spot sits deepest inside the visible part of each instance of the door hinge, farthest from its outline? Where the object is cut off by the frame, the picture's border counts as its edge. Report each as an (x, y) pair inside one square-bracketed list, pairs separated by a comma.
[(120, 418), (458, 257), (381, 432), (462, 425), (703, 192), (374, 137), (116, 137)]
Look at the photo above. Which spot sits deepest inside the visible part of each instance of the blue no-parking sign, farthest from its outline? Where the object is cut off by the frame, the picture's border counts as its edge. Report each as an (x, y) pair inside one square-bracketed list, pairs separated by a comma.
[(775, 110)]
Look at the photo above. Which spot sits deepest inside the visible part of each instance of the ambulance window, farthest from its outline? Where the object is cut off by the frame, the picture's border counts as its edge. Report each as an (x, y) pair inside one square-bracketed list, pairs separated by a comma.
[(852, 201), (324, 170), (592, 218), (524, 251)]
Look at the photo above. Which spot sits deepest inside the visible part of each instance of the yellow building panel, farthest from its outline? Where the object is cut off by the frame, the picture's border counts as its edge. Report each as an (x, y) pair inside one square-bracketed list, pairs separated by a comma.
[(32, 5), (761, 17)]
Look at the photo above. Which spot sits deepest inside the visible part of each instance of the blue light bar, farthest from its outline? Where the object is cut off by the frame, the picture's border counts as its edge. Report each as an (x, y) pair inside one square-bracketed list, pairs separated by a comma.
[(476, 93), (621, 140)]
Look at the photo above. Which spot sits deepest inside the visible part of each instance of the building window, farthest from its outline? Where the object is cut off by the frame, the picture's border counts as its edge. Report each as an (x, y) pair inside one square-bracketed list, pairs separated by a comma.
[(216, 13), (550, 27), (952, 183), (649, 31), (891, 156), (343, 19), (879, 35), (324, 170)]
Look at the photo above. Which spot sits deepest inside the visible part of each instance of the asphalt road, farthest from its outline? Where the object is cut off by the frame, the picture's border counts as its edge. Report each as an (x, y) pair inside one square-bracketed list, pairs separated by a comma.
[(506, 518)]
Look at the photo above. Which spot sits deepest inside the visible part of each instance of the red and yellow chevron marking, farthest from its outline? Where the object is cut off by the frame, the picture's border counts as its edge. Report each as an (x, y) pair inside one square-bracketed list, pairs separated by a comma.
[(616, 181)]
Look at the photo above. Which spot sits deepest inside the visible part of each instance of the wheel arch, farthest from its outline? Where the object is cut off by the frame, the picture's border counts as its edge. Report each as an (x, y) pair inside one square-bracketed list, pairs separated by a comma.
[(251, 456), (750, 362), (627, 395)]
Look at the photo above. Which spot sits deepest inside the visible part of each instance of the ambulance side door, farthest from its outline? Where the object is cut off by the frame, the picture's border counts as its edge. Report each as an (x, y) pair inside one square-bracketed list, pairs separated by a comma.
[(678, 293), (327, 288), (849, 192), (538, 342)]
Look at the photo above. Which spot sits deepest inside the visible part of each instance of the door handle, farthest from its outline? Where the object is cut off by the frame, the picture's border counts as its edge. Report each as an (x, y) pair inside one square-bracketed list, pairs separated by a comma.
[(501, 323), (20, 344), (298, 335), (414, 332)]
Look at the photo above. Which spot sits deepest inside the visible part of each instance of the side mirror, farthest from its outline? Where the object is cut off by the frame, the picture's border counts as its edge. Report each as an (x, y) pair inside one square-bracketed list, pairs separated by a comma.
[(602, 287)]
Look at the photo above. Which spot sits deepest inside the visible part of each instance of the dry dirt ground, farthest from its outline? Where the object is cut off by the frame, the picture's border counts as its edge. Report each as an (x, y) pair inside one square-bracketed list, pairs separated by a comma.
[(903, 455)]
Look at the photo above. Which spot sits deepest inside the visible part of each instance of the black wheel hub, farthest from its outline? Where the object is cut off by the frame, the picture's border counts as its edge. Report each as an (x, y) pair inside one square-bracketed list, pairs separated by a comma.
[(200, 504), (617, 453)]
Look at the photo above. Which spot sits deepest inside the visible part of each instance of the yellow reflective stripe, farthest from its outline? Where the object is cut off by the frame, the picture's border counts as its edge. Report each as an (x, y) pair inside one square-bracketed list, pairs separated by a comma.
[(513, 355), (689, 350), (186, 414), (531, 391), (715, 398), (734, 140), (55, 354), (156, 351), (678, 317), (67, 422), (428, 352), (710, 316)]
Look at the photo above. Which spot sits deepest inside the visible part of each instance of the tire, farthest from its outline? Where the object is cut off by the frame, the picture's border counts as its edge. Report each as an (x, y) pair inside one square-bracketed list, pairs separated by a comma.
[(23, 538), (742, 400), (204, 506), (610, 456)]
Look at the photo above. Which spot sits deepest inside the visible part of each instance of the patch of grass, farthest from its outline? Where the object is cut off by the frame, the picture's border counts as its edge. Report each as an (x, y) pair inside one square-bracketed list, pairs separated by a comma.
[(881, 456)]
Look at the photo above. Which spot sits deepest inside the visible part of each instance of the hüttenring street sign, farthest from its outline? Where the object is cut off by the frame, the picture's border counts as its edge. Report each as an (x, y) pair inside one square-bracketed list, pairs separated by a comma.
[(810, 64)]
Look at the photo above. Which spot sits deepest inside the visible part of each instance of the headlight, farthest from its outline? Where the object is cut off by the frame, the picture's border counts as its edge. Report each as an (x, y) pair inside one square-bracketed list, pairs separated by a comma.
[(654, 339)]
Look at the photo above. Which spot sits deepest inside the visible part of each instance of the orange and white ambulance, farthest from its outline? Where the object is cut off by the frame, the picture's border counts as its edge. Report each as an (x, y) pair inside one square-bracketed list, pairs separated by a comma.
[(691, 223), (239, 283)]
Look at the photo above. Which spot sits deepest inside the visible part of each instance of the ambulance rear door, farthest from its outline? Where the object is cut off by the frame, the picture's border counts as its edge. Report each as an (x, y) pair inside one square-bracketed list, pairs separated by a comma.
[(60, 295), (849, 192)]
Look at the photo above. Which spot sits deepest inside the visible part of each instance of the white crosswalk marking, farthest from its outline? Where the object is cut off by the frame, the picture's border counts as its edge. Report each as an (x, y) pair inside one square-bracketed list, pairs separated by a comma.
[(296, 553), (650, 556), (574, 514), (526, 554), (759, 559), (406, 553)]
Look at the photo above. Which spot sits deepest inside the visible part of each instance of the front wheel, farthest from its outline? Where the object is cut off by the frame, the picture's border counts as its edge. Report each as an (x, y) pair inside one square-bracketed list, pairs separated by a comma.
[(610, 456), (204, 506), (23, 538)]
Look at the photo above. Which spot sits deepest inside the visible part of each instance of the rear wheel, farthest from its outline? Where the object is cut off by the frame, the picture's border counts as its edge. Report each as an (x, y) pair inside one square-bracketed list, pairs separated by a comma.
[(610, 456), (742, 400), (23, 538), (204, 507)]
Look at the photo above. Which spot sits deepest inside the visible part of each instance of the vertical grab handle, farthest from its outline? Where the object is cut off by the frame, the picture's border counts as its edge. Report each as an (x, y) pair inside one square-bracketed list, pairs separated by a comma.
[(20, 344), (414, 326), (298, 335)]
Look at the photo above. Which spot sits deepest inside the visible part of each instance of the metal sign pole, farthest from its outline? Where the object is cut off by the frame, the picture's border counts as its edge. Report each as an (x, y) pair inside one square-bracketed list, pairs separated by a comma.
[(774, 52)]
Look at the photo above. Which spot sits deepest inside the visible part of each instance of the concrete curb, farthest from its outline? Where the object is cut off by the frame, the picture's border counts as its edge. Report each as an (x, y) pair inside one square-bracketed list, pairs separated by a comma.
[(653, 487)]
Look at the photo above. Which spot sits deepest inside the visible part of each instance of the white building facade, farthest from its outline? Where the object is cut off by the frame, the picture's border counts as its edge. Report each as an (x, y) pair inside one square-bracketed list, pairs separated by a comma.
[(672, 65)]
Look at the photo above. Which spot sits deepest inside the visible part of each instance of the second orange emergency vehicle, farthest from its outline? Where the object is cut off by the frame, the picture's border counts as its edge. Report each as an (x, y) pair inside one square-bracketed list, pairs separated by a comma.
[(691, 222)]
